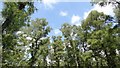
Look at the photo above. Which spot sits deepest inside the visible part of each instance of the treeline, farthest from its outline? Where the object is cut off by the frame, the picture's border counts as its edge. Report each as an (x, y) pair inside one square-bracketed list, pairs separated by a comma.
[(95, 43)]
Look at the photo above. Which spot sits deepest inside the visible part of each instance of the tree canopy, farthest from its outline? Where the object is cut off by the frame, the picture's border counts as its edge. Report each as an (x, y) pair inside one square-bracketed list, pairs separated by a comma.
[(26, 42)]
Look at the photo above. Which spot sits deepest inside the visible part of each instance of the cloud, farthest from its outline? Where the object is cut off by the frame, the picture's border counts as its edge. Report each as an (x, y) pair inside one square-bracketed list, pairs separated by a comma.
[(75, 20), (108, 10), (49, 3), (63, 13), (57, 31)]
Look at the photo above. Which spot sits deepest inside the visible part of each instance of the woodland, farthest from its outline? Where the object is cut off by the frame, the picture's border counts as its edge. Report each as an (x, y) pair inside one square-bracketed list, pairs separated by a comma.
[(93, 44)]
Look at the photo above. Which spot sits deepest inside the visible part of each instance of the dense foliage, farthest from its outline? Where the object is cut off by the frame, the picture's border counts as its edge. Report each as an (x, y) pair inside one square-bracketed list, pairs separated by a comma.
[(25, 42)]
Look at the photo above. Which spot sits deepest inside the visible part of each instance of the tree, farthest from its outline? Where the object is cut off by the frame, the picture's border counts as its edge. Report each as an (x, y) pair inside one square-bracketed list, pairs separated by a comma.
[(26, 42), (115, 3), (57, 51), (37, 32), (102, 38), (71, 42), (15, 17)]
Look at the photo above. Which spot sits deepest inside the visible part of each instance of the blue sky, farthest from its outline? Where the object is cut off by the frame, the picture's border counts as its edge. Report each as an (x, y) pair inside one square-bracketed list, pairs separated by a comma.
[(57, 13), (61, 12)]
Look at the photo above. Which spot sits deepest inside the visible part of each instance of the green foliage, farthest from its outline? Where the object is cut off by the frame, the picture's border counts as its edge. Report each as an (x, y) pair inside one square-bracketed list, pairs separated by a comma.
[(103, 40), (115, 3), (57, 51), (37, 33), (93, 44), (15, 18)]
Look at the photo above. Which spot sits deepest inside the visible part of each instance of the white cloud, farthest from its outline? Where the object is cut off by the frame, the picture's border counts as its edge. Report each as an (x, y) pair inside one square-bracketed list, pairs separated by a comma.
[(49, 3), (108, 10), (57, 31), (63, 13), (75, 20)]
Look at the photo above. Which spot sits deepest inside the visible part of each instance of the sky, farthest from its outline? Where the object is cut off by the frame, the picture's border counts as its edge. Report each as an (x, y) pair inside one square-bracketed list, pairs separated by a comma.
[(59, 12)]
